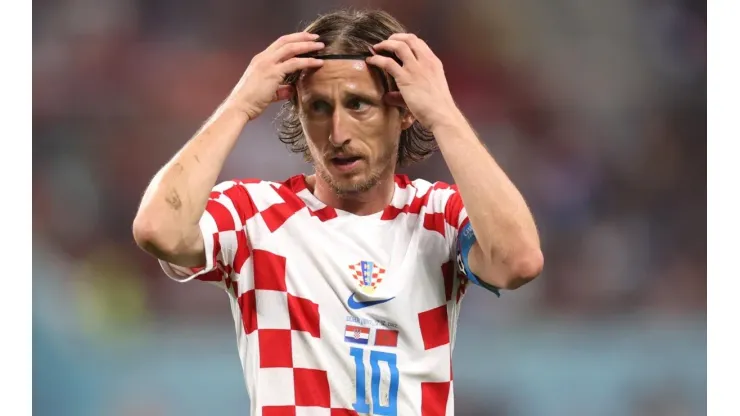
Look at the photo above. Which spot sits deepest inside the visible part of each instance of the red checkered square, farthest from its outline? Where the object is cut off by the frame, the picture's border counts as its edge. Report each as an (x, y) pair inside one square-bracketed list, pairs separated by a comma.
[(248, 307), (434, 327), (221, 215), (278, 411), (304, 315), (277, 214), (275, 348), (242, 201), (311, 387), (242, 251), (435, 221), (434, 398), (343, 412), (269, 271)]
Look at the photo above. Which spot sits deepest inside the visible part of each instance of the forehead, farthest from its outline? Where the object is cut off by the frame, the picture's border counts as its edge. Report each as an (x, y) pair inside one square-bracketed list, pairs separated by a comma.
[(340, 74)]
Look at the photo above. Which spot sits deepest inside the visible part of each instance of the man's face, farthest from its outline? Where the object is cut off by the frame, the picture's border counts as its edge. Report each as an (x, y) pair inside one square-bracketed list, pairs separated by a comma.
[(351, 133)]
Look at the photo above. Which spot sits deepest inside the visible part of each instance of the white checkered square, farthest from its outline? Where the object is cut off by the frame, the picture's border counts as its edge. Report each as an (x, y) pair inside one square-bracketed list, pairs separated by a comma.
[(342, 386), (312, 203), (245, 275), (304, 345), (312, 411), (268, 195), (272, 309), (228, 242), (281, 392), (207, 224), (433, 363)]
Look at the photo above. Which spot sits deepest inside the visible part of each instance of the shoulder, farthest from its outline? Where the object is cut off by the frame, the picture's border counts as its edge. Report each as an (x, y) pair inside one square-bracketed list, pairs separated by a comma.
[(424, 189), (250, 196), (441, 200), (274, 202), (257, 188)]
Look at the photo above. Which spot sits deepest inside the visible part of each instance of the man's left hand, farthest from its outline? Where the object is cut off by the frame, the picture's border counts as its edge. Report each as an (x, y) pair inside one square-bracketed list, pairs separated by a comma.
[(421, 80)]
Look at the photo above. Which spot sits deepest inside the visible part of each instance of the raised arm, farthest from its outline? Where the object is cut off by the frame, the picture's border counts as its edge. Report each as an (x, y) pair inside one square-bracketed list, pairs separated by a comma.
[(167, 222), (500, 245)]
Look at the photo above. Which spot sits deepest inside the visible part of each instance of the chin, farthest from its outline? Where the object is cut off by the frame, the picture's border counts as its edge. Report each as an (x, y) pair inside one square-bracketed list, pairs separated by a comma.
[(353, 183)]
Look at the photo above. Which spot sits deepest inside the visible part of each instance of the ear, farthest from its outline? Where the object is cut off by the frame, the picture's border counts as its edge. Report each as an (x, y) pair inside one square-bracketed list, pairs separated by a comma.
[(284, 92), (394, 98), (407, 118)]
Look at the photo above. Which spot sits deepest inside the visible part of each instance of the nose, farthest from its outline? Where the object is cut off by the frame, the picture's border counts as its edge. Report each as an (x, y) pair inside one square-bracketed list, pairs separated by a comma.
[(340, 135)]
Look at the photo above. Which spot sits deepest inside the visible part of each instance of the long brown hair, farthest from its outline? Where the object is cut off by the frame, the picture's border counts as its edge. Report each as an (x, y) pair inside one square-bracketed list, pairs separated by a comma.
[(354, 32)]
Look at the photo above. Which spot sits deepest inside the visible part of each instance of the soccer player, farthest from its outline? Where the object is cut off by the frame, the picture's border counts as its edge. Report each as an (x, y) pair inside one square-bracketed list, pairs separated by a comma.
[(345, 285)]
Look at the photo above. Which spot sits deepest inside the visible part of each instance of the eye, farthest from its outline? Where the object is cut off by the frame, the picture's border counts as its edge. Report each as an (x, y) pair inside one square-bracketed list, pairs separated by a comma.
[(356, 104), (320, 107)]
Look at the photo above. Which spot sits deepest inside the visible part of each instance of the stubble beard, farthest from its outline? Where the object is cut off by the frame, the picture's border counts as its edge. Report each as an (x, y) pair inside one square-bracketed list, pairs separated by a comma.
[(350, 186), (370, 178)]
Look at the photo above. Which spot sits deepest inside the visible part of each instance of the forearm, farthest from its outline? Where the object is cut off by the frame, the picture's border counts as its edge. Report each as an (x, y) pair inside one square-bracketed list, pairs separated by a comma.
[(504, 227), (174, 201)]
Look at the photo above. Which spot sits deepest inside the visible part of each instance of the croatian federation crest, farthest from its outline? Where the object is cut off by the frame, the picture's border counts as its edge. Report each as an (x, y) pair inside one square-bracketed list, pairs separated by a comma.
[(368, 275)]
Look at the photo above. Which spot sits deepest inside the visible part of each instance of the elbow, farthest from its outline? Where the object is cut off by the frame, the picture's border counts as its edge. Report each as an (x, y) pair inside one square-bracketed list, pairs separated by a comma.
[(149, 237), (523, 269), (168, 242), (144, 232)]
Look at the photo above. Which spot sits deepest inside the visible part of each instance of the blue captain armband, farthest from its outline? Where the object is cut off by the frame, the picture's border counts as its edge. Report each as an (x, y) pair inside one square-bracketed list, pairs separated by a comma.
[(465, 240)]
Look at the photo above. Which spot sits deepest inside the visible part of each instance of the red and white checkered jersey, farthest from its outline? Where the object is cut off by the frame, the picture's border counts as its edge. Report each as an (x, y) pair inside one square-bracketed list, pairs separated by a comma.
[(338, 314)]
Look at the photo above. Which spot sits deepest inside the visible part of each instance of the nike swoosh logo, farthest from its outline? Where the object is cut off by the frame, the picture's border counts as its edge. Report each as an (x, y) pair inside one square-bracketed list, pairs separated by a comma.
[(355, 304)]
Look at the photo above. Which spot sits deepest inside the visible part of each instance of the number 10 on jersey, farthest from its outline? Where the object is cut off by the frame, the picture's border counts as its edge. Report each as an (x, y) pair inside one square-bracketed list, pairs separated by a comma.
[(387, 407)]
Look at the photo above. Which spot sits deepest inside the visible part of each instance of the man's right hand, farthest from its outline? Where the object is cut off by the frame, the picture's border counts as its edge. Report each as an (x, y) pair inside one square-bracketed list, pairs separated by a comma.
[(261, 83)]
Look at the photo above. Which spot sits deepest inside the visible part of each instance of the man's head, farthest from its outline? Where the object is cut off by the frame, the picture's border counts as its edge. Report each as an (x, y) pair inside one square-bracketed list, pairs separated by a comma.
[(340, 118)]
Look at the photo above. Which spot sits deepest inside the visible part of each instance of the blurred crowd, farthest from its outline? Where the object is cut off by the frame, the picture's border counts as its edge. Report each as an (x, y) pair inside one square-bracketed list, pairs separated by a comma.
[(595, 109)]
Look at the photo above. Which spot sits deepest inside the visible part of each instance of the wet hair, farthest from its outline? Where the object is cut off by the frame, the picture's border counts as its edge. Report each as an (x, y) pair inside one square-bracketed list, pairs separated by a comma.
[(353, 32)]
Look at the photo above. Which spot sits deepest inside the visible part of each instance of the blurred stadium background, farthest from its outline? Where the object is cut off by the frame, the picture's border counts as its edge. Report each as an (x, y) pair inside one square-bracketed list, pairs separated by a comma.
[(595, 108)]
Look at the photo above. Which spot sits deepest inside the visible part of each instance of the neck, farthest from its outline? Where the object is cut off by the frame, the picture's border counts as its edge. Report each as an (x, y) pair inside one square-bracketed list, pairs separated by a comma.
[(362, 203)]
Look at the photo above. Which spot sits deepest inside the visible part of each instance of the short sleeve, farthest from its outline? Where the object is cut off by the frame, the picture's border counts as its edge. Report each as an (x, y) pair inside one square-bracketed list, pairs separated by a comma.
[(223, 228), (458, 231), (447, 213)]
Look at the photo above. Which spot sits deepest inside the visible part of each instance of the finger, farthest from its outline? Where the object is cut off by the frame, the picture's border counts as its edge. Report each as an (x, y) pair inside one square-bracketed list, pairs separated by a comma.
[(401, 49), (394, 98), (417, 45), (284, 92), (297, 64), (290, 50), (387, 64), (293, 37)]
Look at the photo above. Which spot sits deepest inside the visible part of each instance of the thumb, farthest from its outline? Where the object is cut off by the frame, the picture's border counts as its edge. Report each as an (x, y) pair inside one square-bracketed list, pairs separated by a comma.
[(284, 92), (395, 99)]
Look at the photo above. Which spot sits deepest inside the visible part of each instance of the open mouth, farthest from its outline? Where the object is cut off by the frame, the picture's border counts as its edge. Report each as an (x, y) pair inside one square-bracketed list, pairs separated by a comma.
[(345, 163)]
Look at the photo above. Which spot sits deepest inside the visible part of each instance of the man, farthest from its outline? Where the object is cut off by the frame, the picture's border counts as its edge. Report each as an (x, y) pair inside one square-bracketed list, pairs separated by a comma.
[(345, 285)]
